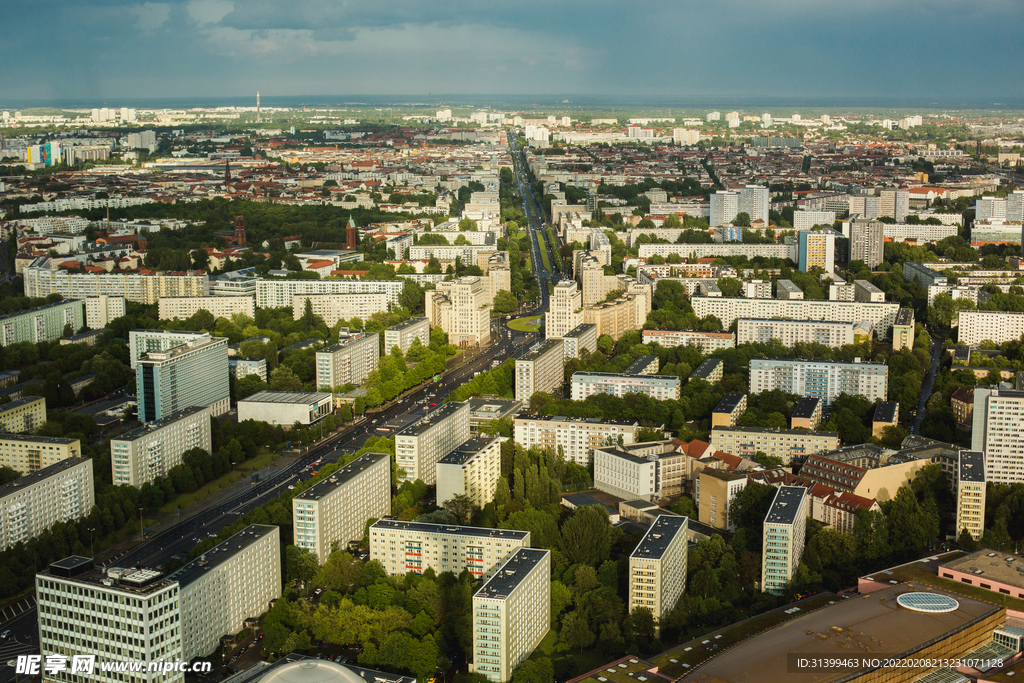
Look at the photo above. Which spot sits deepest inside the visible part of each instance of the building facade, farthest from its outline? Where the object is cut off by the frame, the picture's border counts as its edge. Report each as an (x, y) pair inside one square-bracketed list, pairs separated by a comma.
[(26, 453), (577, 437), (565, 310), (462, 308), (23, 415), (820, 378), (143, 287), (350, 361), (657, 567), (402, 547), (43, 323), (29, 505), (784, 530), (335, 307), (970, 494), (420, 446), (790, 332), (184, 307), (788, 444), (660, 387), (581, 338), (867, 239), (540, 369), (286, 407), (191, 374), (471, 470), (626, 475), (708, 342), (141, 455), (998, 326), (405, 333), (100, 310), (715, 490), (998, 414), (728, 309), (277, 293)]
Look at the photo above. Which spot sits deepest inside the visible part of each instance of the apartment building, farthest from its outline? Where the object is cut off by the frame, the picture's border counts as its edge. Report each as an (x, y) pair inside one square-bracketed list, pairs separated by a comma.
[(729, 410), (995, 431), (565, 310), (903, 330), (472, 470), (865, 291), (806, 413), (350, 361), (887, 414), (141, 455), (62, 492), (402, 547), (43, 323), (615, 318), (657, 567), (184, 307), (405, 333), (240, 367), (660, 387), (580, 338), (143, 287), (23, 415), (191, 374), (540, 369), (710, 370), (784, 529), (970, 494), (511, 614), (286, 407), (838, 509), (997, 326), (708, 342), (926, 277), (867, 238), (26, 453), (788, 444), (787, 289), (74, 597), (824, 379), (335, 307), (334, 511), (715, 490), (100, 310), (757, 289), (806, 220), (577, 437), (422, 444), (894, 203), (276, 293), (228, 584), (625, 474), (142, 342), (727, 309), (462, 308), (790, 332)]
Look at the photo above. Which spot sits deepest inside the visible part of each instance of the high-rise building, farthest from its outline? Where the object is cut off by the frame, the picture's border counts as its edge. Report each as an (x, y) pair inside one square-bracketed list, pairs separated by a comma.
[(191, 374), (970, 494), (22, 415), (350, 361), (141, 342), (100, 310), (580, 338), (894, 203), (727, 309), (824, 379), (402, 547), (755, 201), (419, 446), (463, 310), (512, 614), (405, 333), (43, 323), (29, 505), (867, 241), (995, 431), (471, 470), (816, 250), (657, 567), (997, 326), (116, 615), (26, 453), (540, 369), (724, 207), (334, 511), (577, 437), (565, 310), (141, 455), (784, 529)]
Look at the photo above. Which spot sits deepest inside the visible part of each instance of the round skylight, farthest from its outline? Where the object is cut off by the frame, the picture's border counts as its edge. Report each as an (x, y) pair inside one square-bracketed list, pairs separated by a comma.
[(927, 602)]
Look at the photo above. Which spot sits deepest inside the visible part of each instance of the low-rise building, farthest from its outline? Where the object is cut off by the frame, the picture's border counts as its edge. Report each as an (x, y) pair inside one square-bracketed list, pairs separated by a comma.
[(472, 470), (62, 492), (838, 509), (789, 444), (729, 410), (784, 529), (658, 565), (285, 407), (23, 415), (625, 474), (422, 444), (787, 289), (334, 511), (240, 367), (402, 547), (962, 402), (541, 369), (715, 490), (806, 413), (405, 333), (141, 455), (644, 365), (660, 387), (710, 370), (577, 437)]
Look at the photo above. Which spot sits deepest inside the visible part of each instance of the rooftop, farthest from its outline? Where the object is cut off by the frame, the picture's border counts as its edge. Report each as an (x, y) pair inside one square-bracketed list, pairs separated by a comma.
[(318, 670), (578, 420), (151, 427), (641, 364), (622, 375), (512, 573), (20, 402), (769, 430), (139, 581), (293, 397), (24, 481), (904, 316), (442, 412), (542, 348), (706, 367), (972, 466), (658, 537), (468, 449), (990, 564), (619, 452), (819, 361), (411, 322), (450, 529), (786, 505), (29, 438), (806, 407), (729, 403), (29, 311), (580, 329), (174, 351), (885, 411), (724, 475), (483, 409), (220, 554), (340, 476)]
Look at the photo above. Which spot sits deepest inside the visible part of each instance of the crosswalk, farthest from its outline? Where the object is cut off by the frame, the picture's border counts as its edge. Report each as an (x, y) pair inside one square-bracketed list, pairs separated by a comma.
[(18, 608)]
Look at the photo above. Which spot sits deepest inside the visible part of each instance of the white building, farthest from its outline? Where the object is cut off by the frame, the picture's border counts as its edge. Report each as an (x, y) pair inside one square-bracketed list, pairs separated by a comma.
[(576, 437), (660, 387), (789, 444), (998, 414), (997, 326), (141, 455), (422, 444), (580, 338), (708, 342), (334, 511), (824, 379), (26, 453), (472, 470), (623, 474), (805, 220), (402, 547), (462, 308), (789, 332), (277, 293), (541, 369), (970, 494), (658, 565), (727, 309), (184, 307), (285, 407), (784, 530), (565, 310), (62, 492), (143, 342), (335, 307), (146, 288), (100, 310), (350, 361), (511, 614), (405, 333)]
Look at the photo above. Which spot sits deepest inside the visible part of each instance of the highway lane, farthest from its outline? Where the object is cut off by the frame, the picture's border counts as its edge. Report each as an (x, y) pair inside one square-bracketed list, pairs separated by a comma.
[(536, 224)]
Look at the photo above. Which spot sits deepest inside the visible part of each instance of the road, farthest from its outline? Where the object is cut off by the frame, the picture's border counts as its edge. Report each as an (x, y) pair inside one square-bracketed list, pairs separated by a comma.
[(536, 216), (179, 538), (938, 347)]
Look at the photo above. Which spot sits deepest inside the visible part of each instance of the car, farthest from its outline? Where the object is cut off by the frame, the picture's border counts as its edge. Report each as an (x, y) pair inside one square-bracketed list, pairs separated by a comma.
[(433, 405), (5, 635), (255, 640), (318, 591), (292, 487)]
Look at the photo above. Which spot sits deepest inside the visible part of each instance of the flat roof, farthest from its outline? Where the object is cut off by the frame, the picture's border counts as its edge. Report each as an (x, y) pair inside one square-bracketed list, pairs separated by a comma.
[(450, 529), (19, 402), (220, 553), (321, 668), (972, 466), (563, 418), (29, 311), (341, 476), (139, 581), (468, 449), (512, 573), (579, 330), (724, 475), (640, 364), (885, 411), (802, 321), (707, 366), (441, 412), (540, 349), (151, 427), (788, 285), (820, 361), (26, 480), (868, 285), (904, 316), (492, 408), (622, 375), (729, 403), (658, 537), (786, 505), (769, 430), (990, 564), (29, 438), (406, 323), (293, 397), (624, 454), (805, 407)]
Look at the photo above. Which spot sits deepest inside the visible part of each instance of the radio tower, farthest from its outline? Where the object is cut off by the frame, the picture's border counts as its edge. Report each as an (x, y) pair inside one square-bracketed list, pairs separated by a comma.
[(257, 106)]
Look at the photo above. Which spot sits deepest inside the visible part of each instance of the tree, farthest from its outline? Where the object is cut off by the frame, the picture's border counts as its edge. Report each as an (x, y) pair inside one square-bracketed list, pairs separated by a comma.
[(576, 634), (461, 506), (505, 301), (742, 220), (283, 379), (605, 344), (467, 224), (586, 536)]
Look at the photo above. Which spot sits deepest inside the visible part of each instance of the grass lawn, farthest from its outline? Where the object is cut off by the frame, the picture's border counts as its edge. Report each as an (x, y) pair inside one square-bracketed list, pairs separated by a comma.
[(542, 239), (551, 649), (185, 500), (524, 324)]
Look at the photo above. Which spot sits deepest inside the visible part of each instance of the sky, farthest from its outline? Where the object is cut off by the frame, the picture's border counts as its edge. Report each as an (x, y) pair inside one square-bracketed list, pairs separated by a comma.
[(949, 51)]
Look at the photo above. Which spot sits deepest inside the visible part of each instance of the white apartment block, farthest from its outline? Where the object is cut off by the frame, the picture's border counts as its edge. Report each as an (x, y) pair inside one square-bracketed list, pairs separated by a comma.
[(23, 415), (232, 582), (472, 470), (789, 332), (141, 455), (421, 445), (351, 360), (26, 453), (970, 494), (866, 292), (142, 342), (577, 437), (782, 251), (623, 474), (511, 614), (62, 492), (806, 220), (788, 444), (402, 547), (334, 511), (996, 432), (784, 530), (541, 369), (894, 203), (580, 338), (240, 367), (335, 307), (184, 307), (405, 333), (787, 289), (757, 289), (462, 308), (149, 288), (100, 310), (115, 614), (708, 342), (824, 379), (565, 310), (998, 326), (277, 293), (901, 232), (657, 566), (660, 387), (727, 309)]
